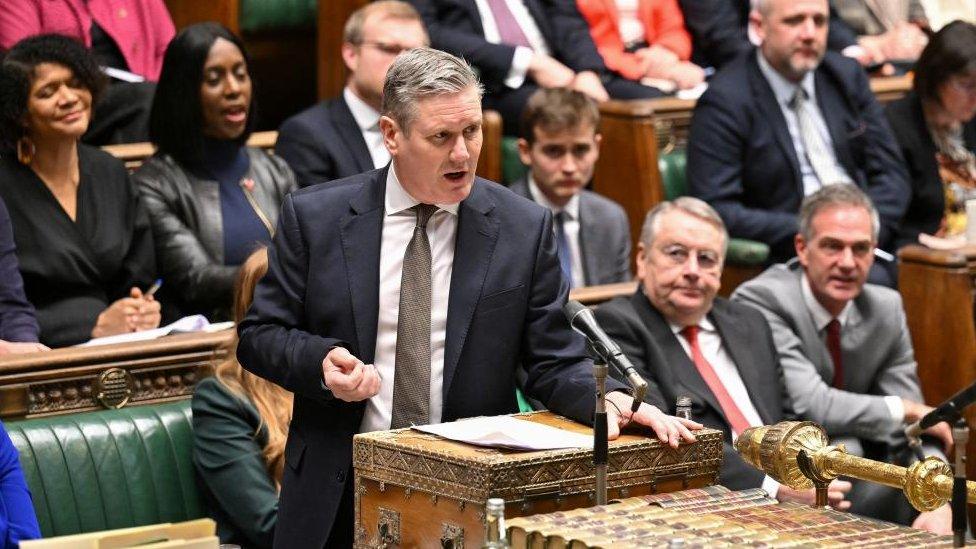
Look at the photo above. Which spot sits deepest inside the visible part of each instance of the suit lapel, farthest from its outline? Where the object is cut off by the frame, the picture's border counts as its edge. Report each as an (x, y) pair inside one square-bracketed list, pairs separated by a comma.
[(474, 15), (361, 233), (351, 134), (736, 342), (477, 233), (589, 246), (833, 106), (773, 114)]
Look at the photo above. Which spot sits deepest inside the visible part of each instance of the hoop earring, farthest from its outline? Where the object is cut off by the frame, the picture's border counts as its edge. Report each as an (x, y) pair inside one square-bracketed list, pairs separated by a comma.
[(25, 150)]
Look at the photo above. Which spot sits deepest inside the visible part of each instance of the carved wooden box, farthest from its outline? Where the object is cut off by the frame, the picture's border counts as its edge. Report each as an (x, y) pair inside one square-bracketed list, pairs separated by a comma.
[(418, 490)]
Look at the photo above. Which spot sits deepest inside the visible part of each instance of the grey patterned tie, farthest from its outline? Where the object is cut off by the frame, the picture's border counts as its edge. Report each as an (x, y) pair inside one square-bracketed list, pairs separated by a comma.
[(411, 378), (817, 151)]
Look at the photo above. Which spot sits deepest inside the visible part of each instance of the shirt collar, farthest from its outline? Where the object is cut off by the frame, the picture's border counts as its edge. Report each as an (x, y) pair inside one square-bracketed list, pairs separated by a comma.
[(783, 89), (704, 325), (367, 118), (821, 317), (571, 208), (398, 199)]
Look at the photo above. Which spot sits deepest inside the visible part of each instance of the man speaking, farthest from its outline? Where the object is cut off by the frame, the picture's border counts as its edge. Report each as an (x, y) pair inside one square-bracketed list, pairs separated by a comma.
[(410, 295)]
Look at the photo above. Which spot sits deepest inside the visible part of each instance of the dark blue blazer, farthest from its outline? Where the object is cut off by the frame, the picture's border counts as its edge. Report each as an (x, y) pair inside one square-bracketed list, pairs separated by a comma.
[(322, 290), (323, 143), (17, 519), (17, 320), (455, 26), (742, 161)]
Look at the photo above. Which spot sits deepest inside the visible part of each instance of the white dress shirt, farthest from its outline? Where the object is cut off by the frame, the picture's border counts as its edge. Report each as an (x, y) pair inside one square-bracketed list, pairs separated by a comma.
[(368, 121), (628, 21), (523, 56), (710, 343), (398, 225), (784, 90), (821, 317), (571, 226)]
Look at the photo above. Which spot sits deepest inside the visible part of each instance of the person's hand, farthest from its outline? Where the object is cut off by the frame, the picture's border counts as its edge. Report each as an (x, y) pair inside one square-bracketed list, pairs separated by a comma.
[(549, 73), (938, 521), (669, 429), (587, 82), (905, 41), (17, 347), (915, 411), (686, 75), (347, 377), (656, 59), (873, 50), (129, 314), (147, 311), (836, 495)]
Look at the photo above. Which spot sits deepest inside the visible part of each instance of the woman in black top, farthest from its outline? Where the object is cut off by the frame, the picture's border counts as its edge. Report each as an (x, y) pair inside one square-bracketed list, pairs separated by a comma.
[(936, 131), (83, 240), (212, 200)]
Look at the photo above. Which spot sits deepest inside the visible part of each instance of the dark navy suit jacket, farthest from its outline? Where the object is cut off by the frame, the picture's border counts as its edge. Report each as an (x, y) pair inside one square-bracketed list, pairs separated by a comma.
[(742, 161), (17, 320), (323, 143), (322, 290)]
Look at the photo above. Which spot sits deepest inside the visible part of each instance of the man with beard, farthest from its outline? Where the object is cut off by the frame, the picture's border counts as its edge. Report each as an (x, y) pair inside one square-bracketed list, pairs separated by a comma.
[(777, 124)]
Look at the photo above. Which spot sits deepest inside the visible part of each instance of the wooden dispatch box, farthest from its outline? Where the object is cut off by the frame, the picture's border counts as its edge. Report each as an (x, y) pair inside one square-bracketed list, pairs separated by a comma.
[(418, 490)]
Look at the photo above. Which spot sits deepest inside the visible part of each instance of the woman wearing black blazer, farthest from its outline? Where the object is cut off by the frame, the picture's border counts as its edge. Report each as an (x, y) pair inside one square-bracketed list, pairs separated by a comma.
[(936, 131)]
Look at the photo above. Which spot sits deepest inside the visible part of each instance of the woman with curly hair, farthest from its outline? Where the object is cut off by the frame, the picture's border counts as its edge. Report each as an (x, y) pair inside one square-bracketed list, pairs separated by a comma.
[(212, 200), (83, 240), (240, 424)]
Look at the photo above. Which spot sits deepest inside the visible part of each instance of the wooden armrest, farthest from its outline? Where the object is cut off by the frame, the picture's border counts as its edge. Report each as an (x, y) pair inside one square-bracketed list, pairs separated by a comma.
[(592, 295), (916, 253)]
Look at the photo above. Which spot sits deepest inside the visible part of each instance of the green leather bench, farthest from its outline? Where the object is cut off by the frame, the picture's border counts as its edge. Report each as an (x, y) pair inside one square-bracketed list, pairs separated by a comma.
[(262, 15), (109, 469)]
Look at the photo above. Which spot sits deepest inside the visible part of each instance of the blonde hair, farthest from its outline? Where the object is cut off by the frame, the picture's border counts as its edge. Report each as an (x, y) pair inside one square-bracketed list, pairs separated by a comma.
[(272, 402)]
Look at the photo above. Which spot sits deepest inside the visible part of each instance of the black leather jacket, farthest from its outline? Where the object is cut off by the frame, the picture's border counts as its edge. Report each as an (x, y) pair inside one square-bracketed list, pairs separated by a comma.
[(188, 229)]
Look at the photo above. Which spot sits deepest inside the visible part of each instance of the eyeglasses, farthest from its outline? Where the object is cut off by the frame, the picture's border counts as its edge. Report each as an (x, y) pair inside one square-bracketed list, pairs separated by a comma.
[(389, 49), (678, 255)]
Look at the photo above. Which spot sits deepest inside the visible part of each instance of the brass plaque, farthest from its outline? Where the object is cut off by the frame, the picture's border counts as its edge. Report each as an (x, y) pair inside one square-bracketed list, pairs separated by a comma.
[(113, 388)]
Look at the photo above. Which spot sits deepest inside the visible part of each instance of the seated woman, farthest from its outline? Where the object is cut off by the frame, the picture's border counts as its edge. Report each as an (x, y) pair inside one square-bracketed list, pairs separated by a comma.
[(83, 240), (643, 40), (936, 132), (240, 424), (17, 519), (212, 200)]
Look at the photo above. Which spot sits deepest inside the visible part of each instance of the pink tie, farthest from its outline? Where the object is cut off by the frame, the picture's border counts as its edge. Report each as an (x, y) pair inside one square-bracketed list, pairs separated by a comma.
[(732, 413), (509, 29)]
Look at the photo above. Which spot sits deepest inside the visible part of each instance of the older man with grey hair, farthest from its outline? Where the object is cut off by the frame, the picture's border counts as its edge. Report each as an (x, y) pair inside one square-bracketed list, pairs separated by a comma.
[(844, 345), (410, 295), (689, 343)]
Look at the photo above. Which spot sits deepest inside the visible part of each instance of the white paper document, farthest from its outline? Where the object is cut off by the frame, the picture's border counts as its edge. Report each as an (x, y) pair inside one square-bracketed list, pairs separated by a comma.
[(193, 323), (508, 432)]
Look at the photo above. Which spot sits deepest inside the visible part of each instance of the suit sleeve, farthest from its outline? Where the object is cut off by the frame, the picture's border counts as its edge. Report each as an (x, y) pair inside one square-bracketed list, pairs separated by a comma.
[(298, 145), (716, 147), (272, 343), (900, 378), (17, 321), (718, 34), (839, 412), (623, 250), (573, 44), (626, 332), (840, 35), (230, 463)]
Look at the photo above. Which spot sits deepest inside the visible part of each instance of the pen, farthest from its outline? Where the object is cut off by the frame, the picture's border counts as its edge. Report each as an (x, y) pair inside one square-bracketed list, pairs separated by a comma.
[(154, 288)]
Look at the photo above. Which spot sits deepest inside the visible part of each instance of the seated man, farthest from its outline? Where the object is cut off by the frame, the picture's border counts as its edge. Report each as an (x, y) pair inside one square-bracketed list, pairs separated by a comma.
[(560, 145), (341, 137), (686, 342), (844, 345), (780, 123), (520, 46), (886, 31)]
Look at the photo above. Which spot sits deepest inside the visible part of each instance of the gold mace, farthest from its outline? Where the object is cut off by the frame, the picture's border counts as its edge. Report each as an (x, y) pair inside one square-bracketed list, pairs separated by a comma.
[(798, 454)]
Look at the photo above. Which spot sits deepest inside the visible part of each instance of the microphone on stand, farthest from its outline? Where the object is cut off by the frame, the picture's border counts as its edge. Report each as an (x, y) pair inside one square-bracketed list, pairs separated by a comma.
[(947, 411), (582, 320)]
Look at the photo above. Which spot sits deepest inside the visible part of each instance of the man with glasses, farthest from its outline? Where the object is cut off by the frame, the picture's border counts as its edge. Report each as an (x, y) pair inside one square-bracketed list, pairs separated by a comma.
[(341, 137), (686, 342), (844, 345)]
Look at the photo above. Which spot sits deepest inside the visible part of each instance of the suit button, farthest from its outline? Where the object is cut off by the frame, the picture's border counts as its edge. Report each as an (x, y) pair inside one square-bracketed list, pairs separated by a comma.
[(340, 476)]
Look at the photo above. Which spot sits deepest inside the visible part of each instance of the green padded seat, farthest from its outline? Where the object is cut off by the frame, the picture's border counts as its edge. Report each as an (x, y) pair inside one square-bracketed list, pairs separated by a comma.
[(267, 15), (109, 469), (512, 166)]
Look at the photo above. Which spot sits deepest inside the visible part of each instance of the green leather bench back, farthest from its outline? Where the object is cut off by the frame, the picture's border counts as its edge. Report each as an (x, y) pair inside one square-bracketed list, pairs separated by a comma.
[(512, 166), (672, 166), (109, 469), (262, 15)]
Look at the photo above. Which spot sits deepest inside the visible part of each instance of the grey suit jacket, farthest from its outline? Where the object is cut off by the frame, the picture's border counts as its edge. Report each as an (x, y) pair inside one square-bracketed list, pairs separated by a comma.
[(604, 236), (863, 19), (876, 351)]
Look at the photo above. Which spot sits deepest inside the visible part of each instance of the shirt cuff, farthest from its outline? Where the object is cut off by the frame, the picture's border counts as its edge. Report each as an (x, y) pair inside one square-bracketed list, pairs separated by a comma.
[(519, 68), (770, 486), (896, 407), (855, 51)]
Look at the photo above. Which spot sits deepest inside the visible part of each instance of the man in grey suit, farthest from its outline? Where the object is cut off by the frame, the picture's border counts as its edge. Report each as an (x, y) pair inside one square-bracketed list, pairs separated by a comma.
[(844, 345), (560, 145)]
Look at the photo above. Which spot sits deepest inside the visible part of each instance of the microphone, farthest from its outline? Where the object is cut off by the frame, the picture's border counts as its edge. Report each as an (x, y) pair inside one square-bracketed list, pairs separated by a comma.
[(582, 320), (947, 411)]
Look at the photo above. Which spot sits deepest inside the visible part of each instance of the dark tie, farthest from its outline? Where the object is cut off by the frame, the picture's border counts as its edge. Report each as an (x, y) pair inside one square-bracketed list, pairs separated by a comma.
[(509, 29), (833, 345), (411, 378), (562, 248), (737, 420)]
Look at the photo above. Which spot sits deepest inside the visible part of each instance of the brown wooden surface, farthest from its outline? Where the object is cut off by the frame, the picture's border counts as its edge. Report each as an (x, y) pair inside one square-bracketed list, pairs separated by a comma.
[(61, 380), (490, 161), (133, 154), (937, 290), (186, 12), (594, 295), (331, 69)]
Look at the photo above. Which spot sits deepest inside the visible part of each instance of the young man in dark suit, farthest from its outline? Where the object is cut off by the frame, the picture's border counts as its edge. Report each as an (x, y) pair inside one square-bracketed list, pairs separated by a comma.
[(685, 341), (411, 295), (341, 136), (560, 145)]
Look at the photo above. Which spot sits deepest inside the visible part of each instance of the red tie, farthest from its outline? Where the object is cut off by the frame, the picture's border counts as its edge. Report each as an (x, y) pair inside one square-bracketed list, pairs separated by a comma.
[(833, 345), (725, 401)]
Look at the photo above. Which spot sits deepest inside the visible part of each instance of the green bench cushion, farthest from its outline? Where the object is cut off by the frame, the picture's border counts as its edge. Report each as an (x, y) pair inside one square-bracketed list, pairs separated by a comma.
[(109, 469), (263, 15), (512, 167)]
